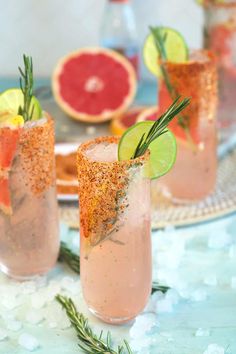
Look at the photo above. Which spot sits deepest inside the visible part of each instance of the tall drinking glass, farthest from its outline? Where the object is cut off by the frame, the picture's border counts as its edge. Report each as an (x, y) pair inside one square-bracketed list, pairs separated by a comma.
[(29, 236), (114, 230), (193, 176), (220, 37)]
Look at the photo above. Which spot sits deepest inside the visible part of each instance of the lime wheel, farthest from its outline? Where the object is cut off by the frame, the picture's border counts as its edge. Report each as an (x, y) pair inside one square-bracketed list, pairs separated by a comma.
[(94, 84)]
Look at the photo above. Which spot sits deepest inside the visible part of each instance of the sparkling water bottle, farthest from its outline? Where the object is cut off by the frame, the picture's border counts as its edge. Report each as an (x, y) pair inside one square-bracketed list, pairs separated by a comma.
[(118, 30)]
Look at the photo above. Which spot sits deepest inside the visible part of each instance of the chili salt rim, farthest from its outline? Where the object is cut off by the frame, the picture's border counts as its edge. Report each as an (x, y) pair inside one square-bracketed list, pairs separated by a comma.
[(213, 4), (201, 64), (112, 140)]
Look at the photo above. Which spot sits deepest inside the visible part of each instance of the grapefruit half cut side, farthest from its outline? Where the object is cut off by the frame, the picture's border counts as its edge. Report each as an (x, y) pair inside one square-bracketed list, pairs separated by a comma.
[(125, 120), (150, 113), (94, 84)]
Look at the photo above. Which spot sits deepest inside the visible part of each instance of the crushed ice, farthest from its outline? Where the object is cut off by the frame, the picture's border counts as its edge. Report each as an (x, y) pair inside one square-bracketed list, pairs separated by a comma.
[(28, 342), (214, 349)]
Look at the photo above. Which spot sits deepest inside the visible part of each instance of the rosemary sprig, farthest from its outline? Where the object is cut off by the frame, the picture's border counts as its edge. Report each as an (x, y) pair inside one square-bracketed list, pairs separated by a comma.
[(26, 85), (160, 125), (73, 262), (183, 121), (157, 287), (89, 342), (69, 257)]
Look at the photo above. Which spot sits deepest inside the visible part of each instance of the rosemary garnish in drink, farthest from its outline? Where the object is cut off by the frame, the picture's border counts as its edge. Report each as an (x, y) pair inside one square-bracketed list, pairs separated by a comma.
[(89, 342), (26, 85), (160, 125), (73, 262), (183, 121)]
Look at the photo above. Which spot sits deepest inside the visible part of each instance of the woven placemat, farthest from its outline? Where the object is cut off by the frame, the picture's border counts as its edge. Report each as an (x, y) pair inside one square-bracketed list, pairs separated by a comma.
[(218, 204)]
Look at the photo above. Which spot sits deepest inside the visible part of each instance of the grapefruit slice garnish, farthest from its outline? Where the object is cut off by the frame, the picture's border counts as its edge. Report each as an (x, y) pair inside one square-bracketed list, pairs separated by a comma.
[(5, 199), (94, 84), (10, 129), (125, 120), (150, 113)]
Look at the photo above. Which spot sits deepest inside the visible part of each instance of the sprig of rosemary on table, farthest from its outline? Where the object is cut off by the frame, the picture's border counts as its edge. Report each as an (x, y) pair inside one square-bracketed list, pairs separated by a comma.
[(160, 125), (183, 121), (73, 262), (89, 342), (69, 257), (26, 85)]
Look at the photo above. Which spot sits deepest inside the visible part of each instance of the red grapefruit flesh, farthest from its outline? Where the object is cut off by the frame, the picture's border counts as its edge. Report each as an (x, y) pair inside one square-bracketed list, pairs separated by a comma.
[(122, 122), (94, 84), (5, 199), (150, 113), (8, 144)]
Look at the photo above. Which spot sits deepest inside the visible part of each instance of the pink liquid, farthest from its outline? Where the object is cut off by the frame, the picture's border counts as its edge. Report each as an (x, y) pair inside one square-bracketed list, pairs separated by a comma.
[(193, 175), (116, 273), (29, 238)]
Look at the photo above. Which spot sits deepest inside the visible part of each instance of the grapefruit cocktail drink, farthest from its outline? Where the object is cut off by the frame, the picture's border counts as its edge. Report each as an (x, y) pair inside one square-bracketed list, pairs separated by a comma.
[(194, 175), (29, 237), (220, 37), (193, 74), (115, 231), (114, 194)]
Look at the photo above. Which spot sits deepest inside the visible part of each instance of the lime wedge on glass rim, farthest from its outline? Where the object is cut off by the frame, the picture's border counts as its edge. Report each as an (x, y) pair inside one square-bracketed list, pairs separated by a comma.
[(175, 48), (12, 99), (162, 150)]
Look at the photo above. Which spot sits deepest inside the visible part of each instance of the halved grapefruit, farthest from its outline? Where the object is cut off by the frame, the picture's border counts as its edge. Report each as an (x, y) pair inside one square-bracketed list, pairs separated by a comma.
[(94, 84), (125, 120)]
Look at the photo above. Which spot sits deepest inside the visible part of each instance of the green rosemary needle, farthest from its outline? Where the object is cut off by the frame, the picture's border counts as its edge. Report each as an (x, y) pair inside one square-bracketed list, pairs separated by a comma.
[(26, 85), (69, 257), (89, 342), (160, 125), (73, 262), (183, 121)]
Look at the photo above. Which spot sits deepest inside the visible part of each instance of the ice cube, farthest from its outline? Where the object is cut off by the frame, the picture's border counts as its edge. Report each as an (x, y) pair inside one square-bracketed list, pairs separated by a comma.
[(38, 300), (28, 287), (56, 317), (70, 285), (211, 280), (164, 305), (214, 349), (233, 282), (143, 324), (201, 332), (14, 325), (199, 295), (34, 317), (3, 334), (219, 240), (28, 342), (10, 302), (173, 296), (232, 251)]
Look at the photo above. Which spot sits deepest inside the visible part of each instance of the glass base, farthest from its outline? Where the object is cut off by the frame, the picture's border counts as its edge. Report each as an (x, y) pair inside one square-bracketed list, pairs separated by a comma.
[(20, 277), (112, 320)]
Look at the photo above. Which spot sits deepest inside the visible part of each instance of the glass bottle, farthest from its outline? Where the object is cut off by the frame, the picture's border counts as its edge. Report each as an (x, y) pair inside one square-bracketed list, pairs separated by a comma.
[(118, 30), (115, 247)]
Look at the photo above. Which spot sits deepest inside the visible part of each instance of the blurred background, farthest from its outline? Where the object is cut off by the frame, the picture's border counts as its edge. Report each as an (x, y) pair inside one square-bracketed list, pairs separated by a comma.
[(49, 29)]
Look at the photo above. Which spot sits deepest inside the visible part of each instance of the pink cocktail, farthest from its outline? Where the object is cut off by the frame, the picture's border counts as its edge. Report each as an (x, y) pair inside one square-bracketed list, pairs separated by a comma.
[(193, 176), (220, 37), (115, 231), (29, 235)]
